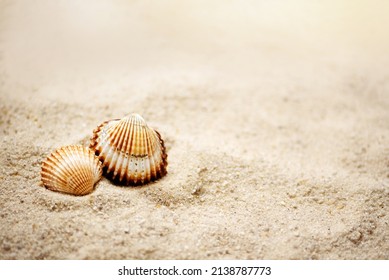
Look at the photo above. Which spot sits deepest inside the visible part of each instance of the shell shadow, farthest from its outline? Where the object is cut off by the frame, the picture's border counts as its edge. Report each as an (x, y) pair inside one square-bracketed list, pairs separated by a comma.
[(117, 183)]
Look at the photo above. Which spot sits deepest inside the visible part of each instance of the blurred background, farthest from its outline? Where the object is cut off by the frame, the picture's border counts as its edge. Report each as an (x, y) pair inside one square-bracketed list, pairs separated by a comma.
[(49, 42), (274, 114)]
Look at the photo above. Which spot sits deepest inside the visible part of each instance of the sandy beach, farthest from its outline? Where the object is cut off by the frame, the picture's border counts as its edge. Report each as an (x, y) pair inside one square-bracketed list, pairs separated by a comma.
[(275, 116)]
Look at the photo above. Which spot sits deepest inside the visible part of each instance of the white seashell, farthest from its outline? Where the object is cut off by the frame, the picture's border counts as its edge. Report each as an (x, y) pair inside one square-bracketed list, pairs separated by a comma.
[(131, 152), (71, 169)]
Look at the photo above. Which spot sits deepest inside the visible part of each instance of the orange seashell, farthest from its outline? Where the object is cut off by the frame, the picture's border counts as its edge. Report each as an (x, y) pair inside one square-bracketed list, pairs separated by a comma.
[(131, 152), (71, 169)]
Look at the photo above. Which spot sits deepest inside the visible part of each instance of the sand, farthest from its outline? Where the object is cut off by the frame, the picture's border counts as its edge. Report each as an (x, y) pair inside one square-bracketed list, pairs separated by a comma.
[(275, 115)]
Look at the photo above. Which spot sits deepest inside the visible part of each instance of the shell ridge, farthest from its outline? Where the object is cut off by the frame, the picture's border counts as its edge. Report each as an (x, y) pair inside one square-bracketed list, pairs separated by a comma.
[(114, 150), (104, 149), (68, 156), (95, 161), (51, 175), (163, 153), (71, 155), (103, 146), (98, 172), (141, 151), (130, 151), (127, 146), (117, 134), (78, 179), (149, 174), (137, 150), (160, 156), (73, 171), (61, 169), (96, 134), (88, 177), (153, 167), (146, 145), (91, 163), (113, 157), (121, 150), (129, 168)]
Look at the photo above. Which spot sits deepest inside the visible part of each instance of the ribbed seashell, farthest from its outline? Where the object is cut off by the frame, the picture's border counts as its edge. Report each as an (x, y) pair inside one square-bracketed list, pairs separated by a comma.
[(71, 169), (132, 153)]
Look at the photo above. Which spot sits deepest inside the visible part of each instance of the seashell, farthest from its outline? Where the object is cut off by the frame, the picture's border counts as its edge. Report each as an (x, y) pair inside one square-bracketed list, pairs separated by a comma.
[(71, 169), (132, 153)]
